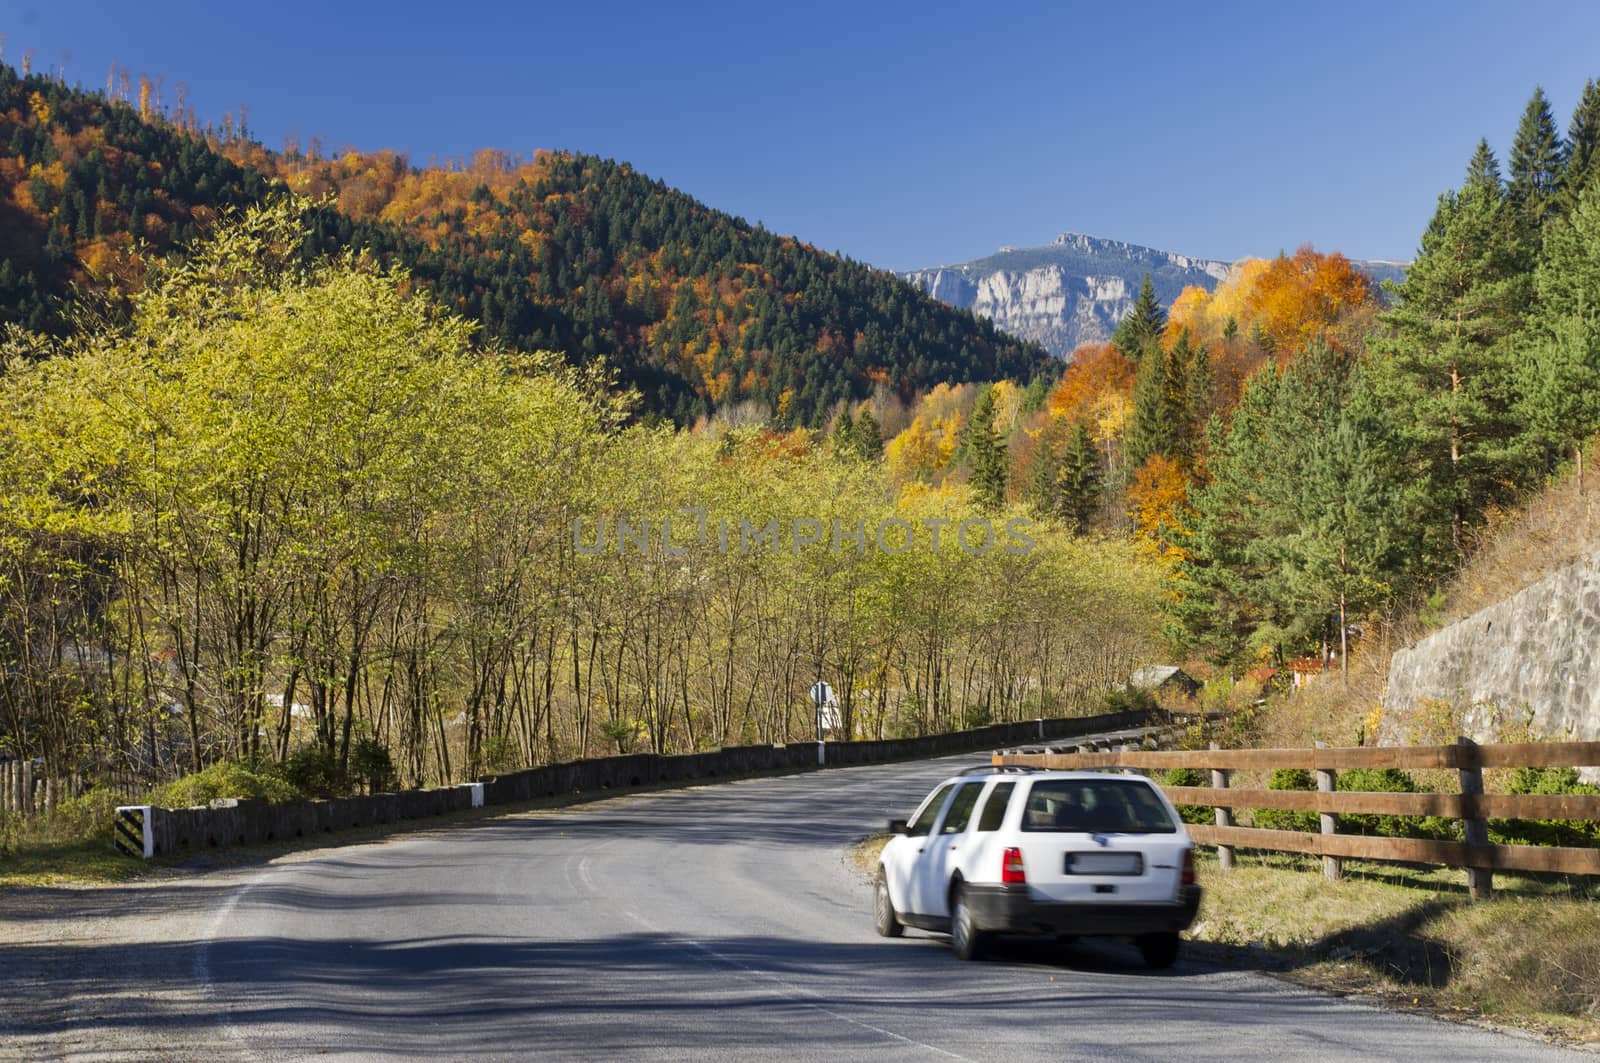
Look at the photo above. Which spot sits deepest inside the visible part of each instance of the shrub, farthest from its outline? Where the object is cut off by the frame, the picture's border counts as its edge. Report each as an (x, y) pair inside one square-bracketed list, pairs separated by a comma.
[(372, 766), (1130, 698), (1546, 831), (224, 779), (1389, 781), (1190, 777), (314, 772), (90, 813), (1287, 819)]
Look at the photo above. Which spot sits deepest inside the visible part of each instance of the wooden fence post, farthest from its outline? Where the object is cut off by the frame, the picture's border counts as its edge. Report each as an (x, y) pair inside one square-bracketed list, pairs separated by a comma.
[(1480, 880), (1219, 780), (27, 788), (1332, 866)]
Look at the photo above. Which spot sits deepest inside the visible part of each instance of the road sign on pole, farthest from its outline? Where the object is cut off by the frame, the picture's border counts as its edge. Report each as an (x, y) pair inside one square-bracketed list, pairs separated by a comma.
[(827, 714)]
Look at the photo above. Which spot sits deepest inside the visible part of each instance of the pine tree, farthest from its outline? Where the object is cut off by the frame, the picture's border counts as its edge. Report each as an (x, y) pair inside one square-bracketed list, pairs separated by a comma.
[(1175, 399), (1483, 170), (844, 435), (1044, 473), (1559, 372), (1447, 369), (1200, 398), (1160, 421), (868, 437), (988, 455), (1536, 163), (1079, 482), (1141, 329), (1344, 552), (1583, 147)]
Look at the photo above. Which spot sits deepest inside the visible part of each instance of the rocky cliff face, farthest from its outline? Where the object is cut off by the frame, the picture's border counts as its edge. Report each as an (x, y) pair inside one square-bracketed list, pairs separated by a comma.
[(1534, 657), (1067, 293), (1074, 290)]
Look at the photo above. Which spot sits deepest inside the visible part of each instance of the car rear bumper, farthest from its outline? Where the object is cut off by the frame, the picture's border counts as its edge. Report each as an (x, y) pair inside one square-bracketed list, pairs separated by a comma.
[(1012, 910)]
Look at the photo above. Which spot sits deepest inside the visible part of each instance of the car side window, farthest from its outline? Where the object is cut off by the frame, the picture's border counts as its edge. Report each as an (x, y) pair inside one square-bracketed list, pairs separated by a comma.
[(994, 809), (922, 822), (961, 806)]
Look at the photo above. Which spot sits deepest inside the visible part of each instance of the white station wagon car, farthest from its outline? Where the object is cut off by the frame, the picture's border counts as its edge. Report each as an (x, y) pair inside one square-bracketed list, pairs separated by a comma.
[(1070, 853)]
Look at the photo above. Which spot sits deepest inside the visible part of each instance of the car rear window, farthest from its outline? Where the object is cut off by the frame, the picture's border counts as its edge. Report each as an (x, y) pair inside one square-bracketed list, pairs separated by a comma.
[(1096, 806), (994, 809)]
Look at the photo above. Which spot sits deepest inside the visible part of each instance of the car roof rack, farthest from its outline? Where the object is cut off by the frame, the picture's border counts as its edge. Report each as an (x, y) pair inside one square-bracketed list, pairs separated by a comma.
[(1002, 769)]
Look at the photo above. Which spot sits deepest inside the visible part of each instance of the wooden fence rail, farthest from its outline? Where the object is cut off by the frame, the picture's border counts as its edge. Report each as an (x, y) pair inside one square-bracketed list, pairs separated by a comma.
[(25, 788), (1471, 806)]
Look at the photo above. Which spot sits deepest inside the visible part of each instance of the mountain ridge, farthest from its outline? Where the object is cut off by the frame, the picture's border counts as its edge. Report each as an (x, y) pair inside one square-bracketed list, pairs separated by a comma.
[(1076, 288)]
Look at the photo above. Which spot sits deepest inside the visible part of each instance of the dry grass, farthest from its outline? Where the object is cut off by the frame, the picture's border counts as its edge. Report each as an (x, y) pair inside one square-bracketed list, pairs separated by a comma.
[(1528, 957)]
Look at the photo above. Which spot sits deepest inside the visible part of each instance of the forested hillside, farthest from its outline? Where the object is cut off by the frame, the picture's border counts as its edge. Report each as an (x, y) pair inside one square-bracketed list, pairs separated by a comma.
[(572, 253)]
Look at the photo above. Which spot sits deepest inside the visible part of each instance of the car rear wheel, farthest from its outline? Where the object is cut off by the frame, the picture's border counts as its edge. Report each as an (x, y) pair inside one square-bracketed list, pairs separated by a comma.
[(884, 916), (965, 937), (1160, 951)]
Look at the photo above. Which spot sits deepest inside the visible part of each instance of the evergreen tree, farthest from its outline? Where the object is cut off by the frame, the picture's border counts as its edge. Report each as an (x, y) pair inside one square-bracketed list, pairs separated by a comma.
[(1149, 427), (1175, 398), (1044, 474), (1078, 482), (1344, 552), (844, 435), (1200, 397), (1536, 162), (1141, 329), (1483, 170), (1159, 423), (868, 437), (1583, 147), (988, 454), (1560, 352), (1447, 369)]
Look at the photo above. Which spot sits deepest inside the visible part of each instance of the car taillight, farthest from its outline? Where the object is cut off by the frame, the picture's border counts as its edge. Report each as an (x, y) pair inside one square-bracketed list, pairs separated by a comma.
[(1012, 872), (1188, 867)]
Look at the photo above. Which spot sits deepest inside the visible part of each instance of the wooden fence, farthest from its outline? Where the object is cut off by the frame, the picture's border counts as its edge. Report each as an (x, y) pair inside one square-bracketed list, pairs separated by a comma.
[(1471, 805), (26, 790)]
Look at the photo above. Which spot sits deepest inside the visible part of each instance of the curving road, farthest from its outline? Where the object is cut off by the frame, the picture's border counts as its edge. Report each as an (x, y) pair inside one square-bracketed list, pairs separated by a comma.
[(717, 922)]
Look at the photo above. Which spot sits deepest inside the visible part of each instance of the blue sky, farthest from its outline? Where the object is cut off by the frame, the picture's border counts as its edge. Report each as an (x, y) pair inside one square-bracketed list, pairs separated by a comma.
[(902, 134)]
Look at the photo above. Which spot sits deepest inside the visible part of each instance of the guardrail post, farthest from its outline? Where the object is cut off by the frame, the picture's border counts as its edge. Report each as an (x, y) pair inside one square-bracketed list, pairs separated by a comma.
[(1219, 780), (133, 832), (1332, 866), (1480, 880)]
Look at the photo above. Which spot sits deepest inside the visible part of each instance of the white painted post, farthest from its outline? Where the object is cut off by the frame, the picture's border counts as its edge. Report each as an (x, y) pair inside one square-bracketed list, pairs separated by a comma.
[(146, 840), (476, 791)]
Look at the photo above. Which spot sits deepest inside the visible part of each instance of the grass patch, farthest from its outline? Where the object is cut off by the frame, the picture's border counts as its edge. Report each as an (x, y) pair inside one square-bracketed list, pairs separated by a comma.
[(1528, 957)]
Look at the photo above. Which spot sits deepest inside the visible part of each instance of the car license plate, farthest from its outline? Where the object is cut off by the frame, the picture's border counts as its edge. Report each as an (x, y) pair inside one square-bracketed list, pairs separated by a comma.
[(1105, 863)]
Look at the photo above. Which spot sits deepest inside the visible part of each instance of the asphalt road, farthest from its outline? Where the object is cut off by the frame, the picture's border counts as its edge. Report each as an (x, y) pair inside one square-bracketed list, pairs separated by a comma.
[(720, 922)]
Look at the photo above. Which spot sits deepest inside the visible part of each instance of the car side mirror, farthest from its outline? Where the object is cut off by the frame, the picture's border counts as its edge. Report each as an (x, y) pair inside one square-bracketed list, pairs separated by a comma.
[(897, 826)]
